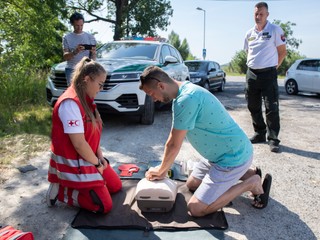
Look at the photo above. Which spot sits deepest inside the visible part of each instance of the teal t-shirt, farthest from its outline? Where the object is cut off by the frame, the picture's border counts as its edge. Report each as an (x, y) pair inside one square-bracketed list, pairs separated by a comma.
[(211, 130)]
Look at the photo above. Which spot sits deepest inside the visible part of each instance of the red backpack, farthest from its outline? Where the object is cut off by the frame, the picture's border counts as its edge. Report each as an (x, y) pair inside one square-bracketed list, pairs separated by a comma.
[(10, 233)]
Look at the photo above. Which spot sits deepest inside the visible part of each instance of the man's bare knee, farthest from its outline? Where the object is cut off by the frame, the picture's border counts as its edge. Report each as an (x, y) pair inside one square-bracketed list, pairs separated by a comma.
[(193, 183), (195, 209)]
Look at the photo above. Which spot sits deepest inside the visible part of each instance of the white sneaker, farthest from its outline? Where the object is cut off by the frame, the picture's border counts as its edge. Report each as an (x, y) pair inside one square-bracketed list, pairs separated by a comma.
[(52, 194)]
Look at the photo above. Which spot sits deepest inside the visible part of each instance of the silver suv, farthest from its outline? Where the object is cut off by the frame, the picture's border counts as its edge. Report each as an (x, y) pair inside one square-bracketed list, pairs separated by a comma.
[(125, 61)]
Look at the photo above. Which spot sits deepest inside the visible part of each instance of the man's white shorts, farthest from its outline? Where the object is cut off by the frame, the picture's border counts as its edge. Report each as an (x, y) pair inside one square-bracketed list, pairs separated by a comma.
[(216, 180)]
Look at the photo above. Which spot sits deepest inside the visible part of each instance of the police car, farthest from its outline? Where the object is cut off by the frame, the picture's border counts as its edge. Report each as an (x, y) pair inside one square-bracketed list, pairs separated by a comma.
[(125, 61)]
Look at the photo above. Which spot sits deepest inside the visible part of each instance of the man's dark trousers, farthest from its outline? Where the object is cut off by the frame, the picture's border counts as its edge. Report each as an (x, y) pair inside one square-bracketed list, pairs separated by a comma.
[(261, 85)]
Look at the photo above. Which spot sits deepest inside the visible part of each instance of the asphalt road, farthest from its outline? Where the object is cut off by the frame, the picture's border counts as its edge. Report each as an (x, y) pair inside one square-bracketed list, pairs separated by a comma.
[(293, 210)]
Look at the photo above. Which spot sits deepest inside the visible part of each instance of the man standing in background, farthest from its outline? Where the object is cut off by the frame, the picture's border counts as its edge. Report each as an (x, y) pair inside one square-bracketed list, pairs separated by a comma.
[(74, 45), (265, 44)]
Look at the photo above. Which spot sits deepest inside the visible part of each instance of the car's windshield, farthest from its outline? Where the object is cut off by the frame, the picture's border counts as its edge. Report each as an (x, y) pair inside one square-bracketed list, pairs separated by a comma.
[(196, 66), (127, 50)]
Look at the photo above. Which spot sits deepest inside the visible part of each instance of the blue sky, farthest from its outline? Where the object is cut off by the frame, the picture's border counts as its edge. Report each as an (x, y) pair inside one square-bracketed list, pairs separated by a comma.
[(227, 22)]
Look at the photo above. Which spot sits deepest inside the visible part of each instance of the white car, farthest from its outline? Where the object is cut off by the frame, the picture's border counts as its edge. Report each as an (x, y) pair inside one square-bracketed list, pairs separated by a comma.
[(303, 76), (124, 62)]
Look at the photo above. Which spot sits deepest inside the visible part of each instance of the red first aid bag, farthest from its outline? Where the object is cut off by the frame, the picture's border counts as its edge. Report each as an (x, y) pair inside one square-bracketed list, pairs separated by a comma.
[(10, 233)]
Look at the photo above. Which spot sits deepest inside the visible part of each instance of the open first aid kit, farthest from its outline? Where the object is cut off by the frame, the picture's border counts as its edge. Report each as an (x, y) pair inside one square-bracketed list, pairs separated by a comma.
[(156, 196)]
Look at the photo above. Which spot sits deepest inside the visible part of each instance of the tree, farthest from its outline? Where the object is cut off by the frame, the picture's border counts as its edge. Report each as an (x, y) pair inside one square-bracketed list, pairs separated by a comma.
[(238, 62), (183, 47), (292, 46), (292, 43), (30, 35), (129, 17)]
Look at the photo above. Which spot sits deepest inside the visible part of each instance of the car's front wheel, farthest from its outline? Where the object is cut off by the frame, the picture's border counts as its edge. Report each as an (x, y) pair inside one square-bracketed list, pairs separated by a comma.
[(147, 116), (206, 85), (291, 87), (221, 88)]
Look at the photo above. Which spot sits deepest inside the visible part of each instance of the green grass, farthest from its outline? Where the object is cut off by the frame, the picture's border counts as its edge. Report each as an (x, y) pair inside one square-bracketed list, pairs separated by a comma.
[(230, 73), (234, 74), (25, 117)]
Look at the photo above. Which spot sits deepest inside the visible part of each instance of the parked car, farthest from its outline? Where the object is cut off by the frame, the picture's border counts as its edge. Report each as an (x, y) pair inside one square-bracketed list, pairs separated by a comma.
[(125, 61), (303, 76), (207, 74)]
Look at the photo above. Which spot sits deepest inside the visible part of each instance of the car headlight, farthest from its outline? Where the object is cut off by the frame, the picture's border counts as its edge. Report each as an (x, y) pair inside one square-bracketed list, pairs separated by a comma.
[(195, 80), (52, 73)]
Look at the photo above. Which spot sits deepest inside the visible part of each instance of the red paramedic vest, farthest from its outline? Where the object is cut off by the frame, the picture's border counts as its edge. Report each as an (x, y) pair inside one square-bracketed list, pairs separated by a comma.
[(67, 167)]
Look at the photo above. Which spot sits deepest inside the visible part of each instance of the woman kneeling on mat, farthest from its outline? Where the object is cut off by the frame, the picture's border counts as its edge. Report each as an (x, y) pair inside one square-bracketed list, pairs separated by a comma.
[(79, 175)]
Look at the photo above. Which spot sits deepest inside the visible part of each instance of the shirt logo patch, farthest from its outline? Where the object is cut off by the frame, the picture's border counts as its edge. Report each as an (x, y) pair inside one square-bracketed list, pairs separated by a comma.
[(251, 39), (266, 36), (283, 38), (73, 123)]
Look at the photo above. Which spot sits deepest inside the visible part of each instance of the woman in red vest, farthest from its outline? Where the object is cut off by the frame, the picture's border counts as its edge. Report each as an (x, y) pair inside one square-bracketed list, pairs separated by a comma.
[(78, 173)]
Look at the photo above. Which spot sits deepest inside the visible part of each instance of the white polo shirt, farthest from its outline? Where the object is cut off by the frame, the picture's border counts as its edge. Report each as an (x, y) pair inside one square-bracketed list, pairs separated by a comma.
[(262, 46)]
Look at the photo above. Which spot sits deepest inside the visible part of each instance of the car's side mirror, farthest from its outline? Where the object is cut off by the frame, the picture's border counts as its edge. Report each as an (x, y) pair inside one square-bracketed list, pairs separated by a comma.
[(170, 60), (212, 70)]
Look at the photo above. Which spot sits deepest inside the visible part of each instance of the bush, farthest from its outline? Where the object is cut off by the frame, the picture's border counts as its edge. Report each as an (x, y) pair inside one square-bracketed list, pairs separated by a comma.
[(23, 107), (238, 63)]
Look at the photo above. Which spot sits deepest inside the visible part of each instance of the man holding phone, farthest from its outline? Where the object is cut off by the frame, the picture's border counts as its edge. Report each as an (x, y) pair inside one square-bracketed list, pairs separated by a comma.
[(77, 44)]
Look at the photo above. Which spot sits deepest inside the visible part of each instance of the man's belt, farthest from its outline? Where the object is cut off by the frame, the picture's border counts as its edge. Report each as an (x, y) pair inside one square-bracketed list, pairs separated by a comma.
[(262, 69)]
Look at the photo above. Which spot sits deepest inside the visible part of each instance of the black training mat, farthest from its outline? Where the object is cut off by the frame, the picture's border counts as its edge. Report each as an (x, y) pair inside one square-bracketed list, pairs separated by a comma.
[(125, 214)]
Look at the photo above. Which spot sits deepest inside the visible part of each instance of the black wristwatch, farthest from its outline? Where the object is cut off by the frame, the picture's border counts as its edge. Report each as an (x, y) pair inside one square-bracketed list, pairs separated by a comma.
[(99, 163)]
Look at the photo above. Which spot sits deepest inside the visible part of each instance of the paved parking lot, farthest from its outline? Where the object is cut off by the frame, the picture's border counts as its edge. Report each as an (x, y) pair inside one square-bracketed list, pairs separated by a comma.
[(293, 211)]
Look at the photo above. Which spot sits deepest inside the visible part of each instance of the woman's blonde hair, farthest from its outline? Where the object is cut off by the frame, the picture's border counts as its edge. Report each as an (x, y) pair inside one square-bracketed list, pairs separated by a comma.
[(86, 67)]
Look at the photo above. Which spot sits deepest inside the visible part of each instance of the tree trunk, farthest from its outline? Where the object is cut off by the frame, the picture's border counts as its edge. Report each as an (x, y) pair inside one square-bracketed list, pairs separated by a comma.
[(121, 7)]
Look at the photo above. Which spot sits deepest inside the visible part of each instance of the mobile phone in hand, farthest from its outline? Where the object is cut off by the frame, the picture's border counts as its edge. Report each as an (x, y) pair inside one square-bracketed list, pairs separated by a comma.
[(88, 46)]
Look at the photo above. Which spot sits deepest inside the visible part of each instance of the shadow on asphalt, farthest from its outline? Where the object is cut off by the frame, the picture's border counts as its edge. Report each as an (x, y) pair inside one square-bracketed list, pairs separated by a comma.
[(303, 153), (275, 221)]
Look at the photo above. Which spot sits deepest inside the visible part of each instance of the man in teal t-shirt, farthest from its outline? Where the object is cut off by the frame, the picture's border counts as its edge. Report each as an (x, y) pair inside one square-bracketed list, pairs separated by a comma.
[(211, 130), (227, 151)]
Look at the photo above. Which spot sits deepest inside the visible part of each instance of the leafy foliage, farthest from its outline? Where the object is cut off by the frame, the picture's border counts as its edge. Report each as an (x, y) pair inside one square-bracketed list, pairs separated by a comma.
[(30, 42), (30, 34), (183, 47), (238, 62), (155, 15), (292, 43), (129, 18)]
